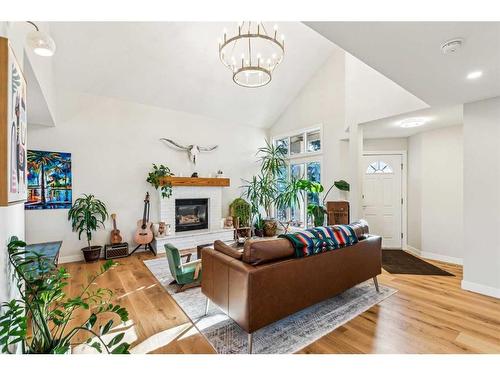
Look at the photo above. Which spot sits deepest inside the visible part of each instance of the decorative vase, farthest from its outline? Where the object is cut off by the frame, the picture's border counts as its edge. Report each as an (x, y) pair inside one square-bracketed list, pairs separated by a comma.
[(92, 254), (270, 227)]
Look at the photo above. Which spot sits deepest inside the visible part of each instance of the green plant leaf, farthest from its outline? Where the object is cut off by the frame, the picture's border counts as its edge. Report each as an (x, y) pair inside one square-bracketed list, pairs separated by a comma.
[(116, 339)]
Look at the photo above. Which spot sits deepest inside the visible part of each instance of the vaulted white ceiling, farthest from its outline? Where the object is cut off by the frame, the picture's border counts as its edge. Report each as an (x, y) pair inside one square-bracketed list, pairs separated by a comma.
[(176, 66), (409, 53)]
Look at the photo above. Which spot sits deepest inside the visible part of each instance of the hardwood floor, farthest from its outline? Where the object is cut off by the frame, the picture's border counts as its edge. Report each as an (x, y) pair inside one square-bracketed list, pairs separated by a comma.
[(429, 314)]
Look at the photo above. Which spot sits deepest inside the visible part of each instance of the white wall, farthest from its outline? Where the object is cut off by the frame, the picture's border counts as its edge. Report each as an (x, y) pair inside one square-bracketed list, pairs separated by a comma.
[(113, 144), (322, 101), (385, 144), (435, 193), (414, 192), (371, 95), (12, 217), (482, 196)]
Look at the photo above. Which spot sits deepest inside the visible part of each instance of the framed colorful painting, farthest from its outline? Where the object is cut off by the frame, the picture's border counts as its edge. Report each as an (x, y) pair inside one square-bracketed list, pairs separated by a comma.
[(49, 180), (13, 128)]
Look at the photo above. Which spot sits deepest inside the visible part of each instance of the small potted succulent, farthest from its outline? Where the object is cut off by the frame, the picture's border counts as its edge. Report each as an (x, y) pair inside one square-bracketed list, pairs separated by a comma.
[(87, 215)]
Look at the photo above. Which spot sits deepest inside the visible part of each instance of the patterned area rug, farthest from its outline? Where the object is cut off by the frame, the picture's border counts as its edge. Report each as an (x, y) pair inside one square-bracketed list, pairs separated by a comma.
[(288, 335)]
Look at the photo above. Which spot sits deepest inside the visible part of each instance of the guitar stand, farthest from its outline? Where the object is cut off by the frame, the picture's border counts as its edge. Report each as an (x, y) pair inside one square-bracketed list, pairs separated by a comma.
[(146, 247)]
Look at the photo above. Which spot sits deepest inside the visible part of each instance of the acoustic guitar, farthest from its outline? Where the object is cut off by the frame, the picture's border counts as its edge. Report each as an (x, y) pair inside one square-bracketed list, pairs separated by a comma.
[(116, 238), (144, 234)]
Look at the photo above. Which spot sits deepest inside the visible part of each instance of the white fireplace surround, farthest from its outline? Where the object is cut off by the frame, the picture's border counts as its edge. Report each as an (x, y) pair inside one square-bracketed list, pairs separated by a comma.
[(190, 239)]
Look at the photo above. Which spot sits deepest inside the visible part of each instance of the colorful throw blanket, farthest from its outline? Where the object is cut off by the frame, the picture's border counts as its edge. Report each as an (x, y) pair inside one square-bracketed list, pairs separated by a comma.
[(320, 239)]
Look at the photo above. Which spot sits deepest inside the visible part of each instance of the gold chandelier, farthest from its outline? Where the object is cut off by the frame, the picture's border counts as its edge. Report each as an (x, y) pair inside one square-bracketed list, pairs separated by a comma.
[(252, 54)]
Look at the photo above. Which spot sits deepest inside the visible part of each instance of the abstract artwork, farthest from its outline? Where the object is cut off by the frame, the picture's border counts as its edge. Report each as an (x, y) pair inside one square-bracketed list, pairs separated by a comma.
[(49, 180), (13, 128)]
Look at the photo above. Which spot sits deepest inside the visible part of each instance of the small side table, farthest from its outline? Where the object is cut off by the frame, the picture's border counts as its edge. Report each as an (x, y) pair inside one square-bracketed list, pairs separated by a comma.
[(49, 250)]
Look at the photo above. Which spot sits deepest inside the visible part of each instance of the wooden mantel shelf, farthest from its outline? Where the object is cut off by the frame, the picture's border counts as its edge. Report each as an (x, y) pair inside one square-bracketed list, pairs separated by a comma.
[(195, 181)]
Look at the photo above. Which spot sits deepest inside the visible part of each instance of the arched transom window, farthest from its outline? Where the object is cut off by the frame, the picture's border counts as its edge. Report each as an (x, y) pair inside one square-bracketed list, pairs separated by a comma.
[(379, 167)]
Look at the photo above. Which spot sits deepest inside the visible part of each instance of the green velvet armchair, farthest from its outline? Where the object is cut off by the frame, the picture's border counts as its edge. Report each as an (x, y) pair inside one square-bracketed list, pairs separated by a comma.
[(186, 275)]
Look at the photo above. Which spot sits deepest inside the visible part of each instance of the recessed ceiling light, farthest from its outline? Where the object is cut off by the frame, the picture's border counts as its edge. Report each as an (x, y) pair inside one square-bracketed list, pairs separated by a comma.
[(474, 75), (412, 122)]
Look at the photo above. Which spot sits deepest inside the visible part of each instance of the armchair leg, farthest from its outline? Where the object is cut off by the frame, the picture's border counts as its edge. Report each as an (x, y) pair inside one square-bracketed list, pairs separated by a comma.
[(207, 306), (250, 343), (375, 281)]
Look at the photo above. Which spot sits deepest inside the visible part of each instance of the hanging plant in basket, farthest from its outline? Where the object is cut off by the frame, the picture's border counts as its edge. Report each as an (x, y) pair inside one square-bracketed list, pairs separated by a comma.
[(155, 178)]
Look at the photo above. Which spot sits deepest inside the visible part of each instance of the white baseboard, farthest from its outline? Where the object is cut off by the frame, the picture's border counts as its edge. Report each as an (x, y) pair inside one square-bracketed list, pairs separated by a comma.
[(412, 250), (70, 258), (442, 258), (481, 289), (434, 256)]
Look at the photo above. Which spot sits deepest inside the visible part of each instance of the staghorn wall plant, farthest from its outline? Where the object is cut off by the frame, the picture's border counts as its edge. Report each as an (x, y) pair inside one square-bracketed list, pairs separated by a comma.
[(39, 320)]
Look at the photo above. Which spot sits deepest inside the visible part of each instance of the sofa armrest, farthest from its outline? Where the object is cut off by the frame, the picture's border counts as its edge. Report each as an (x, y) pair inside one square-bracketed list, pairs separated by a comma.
[(227, 283), (228, 250)]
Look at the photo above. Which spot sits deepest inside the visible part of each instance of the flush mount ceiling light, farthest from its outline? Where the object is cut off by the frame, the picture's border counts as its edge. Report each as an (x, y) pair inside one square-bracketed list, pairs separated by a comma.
[(41, 43), (412, 122), (252, 53), (474, 75), (452, 46)]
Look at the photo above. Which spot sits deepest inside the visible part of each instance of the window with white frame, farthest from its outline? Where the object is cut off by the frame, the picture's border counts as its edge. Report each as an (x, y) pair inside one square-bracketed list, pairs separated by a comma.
[(304, 157)]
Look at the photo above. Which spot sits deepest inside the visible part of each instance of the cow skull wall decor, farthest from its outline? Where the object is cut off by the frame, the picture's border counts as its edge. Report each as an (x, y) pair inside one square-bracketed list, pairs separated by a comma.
[(192, 150)]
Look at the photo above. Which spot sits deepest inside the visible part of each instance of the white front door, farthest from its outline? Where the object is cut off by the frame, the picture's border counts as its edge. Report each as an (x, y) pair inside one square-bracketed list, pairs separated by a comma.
[(382, 197)]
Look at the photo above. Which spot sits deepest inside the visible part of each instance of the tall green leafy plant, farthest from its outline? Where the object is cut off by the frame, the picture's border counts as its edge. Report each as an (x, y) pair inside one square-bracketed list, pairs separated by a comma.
[(87, 215), (155, 178), (272, 164), (39, 321), (295, 192)]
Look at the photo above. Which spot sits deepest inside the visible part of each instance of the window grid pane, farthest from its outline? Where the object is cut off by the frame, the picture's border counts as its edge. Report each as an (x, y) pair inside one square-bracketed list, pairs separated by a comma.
[(313, 141), (297, 144), (379, 167)]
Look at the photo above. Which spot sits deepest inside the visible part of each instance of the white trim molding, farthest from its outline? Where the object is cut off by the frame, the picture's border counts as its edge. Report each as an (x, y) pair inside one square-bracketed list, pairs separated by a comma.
[(434, 256), (480, 288)]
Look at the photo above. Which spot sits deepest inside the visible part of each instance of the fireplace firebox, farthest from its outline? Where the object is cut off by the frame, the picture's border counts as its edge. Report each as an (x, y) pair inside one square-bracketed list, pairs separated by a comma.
[(191, 214)]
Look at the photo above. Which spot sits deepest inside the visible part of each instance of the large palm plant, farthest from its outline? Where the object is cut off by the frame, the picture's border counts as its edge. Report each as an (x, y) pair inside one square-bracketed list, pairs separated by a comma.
[(272, 159)]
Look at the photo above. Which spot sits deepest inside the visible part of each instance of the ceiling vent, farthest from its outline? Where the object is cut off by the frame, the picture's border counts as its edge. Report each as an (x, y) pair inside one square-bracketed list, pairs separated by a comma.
[(452, 46)]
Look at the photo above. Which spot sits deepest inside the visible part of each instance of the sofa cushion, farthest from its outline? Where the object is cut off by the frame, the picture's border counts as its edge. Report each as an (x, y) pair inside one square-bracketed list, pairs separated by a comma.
[(228, 250), (361, 229), (259, 251)]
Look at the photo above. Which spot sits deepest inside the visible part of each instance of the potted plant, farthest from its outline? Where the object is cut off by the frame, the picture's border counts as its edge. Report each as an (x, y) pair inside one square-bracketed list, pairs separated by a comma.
[(272, 165), (294, 192), (42, 319), (240, 210), (342, 185), (87, 215), (155, 178), (259, 226)]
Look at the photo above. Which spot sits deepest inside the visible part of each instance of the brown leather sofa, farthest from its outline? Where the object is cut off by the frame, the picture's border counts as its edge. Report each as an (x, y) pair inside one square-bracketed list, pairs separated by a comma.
[(265, 282)]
